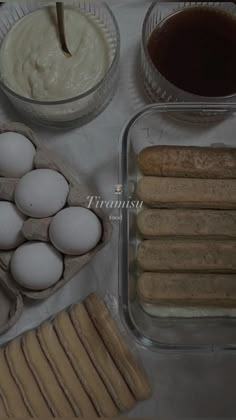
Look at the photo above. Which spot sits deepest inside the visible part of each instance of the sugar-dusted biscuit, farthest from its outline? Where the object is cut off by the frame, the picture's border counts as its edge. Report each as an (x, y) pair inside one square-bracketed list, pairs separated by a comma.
[(187, 192), (84, 367), (118, 349), (101, 358), (187, 255), (188, 289), (49, 386), (64, 371), (188, 161), (25, 380)]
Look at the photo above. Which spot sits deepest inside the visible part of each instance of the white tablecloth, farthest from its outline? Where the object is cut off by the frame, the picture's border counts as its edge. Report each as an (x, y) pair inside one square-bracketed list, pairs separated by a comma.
[(184, 385)]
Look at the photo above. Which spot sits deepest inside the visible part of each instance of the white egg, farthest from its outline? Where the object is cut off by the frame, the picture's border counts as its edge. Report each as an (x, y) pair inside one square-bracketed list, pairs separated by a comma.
[(11, 222), (36, 265), (75, 230), (16, 155), (41, 193)]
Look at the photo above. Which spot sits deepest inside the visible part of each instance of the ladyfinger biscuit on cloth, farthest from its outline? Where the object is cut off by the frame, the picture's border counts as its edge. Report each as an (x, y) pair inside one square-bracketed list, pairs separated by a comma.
[(9, 391), (101, 358), (25, 380), (64, 371), (3, 411), (187, 192), (187, 255), (83, 366), (47, 382), (189, 223), (115, 344), (182, 161), (187, 289)]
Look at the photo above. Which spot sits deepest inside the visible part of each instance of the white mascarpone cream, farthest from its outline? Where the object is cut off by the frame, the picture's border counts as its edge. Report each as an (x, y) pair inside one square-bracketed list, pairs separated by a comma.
[(33, 65)]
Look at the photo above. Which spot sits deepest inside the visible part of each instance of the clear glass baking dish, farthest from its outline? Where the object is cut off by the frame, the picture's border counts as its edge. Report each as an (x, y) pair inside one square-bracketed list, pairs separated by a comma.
[(160, 124)]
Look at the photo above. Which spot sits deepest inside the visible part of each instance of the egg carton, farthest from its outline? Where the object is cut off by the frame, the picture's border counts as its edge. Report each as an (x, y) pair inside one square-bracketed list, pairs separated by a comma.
[(11, 293)]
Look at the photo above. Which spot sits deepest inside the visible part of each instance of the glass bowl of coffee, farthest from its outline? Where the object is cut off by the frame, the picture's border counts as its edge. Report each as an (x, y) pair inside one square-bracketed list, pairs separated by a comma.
[(188, 52)]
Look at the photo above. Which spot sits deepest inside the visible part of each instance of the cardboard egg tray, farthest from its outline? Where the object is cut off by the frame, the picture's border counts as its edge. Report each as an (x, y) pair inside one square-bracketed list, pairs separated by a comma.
[(11, 293)]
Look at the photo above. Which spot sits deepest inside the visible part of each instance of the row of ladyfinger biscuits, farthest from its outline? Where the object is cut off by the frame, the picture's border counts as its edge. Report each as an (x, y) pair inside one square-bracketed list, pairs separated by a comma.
[(189, 185), (77, 365), (189, 272), (188, 177)]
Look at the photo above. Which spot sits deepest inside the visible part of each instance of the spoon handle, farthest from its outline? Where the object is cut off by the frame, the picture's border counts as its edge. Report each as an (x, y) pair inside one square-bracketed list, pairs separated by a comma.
[(61, 27)]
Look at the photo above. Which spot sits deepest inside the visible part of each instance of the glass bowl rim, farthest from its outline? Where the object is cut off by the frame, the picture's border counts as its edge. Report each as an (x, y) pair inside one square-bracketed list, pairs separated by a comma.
[(192, 96), (88, 92)]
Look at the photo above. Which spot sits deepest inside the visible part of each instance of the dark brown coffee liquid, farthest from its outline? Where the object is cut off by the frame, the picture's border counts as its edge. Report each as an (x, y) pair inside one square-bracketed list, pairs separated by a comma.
[(195, 49)]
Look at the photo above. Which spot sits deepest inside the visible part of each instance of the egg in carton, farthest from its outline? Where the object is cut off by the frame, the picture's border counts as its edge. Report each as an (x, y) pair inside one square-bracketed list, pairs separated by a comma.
[(37, 229)]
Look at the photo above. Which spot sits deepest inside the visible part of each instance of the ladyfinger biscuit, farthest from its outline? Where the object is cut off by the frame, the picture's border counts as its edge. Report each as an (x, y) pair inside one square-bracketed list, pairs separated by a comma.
[(45, 377), (83, 366), (101, 358), (3, 411), (119, 351), (187, 289), (187, 192), (177, 255), (188, 223), (9, 391), (64, 371), (25, 380), (190, 162)]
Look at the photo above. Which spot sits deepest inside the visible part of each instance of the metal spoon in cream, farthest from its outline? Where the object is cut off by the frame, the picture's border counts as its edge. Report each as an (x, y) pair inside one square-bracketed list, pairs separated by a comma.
[(33, 65)]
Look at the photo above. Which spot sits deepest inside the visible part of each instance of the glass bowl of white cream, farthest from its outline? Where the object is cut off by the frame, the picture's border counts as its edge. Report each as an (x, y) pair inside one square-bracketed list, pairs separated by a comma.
[(44, 84)]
